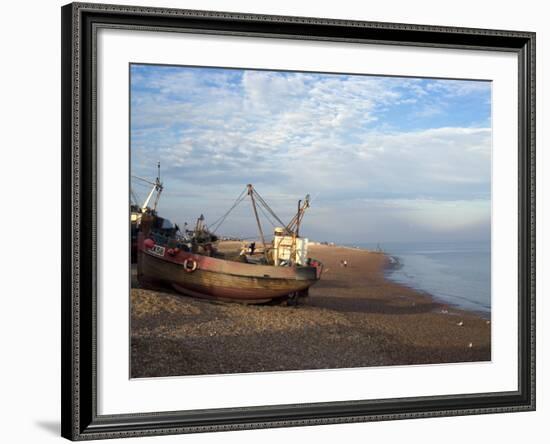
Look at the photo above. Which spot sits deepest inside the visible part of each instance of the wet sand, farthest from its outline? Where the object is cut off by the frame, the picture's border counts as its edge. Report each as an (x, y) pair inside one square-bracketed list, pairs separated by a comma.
[(353, 317)]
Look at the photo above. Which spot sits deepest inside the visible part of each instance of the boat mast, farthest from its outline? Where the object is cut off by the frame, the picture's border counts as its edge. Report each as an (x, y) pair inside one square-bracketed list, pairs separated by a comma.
[(157, 186), (293, 226), (199, 224), (298, 219), (251, 194)]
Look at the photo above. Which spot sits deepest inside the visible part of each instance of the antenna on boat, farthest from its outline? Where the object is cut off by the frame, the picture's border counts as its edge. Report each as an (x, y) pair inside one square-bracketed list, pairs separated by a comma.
[(251, 194)]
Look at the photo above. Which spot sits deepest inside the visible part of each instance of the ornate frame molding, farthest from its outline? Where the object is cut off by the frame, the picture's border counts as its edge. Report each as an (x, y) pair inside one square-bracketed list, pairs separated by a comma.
[(79, 395)]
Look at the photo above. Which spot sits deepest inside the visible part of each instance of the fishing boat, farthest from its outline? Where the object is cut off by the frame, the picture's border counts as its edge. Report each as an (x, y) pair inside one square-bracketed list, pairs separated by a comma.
[(138, 210), (191, 264)]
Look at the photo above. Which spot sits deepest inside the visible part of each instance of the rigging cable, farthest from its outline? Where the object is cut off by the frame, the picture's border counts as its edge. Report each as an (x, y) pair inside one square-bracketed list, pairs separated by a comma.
[(218, 222), (267, 207), (266, 216)]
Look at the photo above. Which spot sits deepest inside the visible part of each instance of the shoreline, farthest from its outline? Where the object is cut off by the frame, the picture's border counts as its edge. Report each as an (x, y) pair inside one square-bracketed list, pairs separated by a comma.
[(354, 317), (390, 267), (455, 307)]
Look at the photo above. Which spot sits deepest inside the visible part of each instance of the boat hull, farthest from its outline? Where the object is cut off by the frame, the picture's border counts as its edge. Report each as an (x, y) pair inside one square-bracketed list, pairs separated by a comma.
[(221, 279)]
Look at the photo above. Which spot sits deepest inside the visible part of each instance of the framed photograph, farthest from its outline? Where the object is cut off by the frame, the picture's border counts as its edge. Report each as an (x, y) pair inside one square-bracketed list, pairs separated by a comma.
[(281, 221)]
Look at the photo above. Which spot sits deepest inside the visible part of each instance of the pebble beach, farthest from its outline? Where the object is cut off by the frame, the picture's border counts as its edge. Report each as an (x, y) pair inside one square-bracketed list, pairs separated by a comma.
[(353, 317)]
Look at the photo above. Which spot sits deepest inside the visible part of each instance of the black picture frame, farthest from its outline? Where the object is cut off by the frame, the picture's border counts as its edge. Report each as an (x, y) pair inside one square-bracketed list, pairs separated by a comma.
[(79, 207)]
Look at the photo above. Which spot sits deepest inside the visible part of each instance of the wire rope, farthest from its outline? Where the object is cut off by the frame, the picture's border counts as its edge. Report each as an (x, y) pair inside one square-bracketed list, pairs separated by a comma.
[(218, 222)]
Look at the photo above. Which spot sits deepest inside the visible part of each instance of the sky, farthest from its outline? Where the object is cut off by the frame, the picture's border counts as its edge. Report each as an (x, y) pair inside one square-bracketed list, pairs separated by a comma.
[(383, 158)]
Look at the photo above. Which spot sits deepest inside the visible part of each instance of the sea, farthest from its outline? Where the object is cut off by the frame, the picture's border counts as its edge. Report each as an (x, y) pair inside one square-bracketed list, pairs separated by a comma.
[(456, 273)]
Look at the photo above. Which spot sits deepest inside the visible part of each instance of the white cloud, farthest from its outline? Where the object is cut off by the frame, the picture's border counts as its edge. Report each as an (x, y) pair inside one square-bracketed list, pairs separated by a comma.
[(296, 133)]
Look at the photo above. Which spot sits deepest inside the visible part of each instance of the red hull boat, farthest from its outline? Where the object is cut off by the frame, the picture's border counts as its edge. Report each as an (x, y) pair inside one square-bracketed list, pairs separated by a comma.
[(211, 277), (190, 263)]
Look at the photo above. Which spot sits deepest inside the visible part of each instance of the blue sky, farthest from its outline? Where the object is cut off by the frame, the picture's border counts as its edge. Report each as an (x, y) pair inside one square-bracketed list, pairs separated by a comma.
[(384, 158)]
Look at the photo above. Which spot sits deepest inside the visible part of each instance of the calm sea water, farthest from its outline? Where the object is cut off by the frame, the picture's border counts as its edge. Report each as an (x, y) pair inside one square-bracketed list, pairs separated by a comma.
[(457, 273)]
